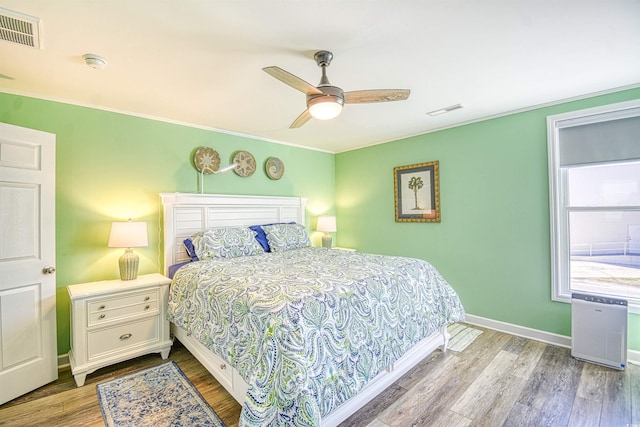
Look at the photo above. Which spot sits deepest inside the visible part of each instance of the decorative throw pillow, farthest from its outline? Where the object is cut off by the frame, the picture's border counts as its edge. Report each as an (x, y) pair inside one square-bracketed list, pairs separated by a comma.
[(226, 243), (188, 246), (284, 237), (196, 243), (261, 237)]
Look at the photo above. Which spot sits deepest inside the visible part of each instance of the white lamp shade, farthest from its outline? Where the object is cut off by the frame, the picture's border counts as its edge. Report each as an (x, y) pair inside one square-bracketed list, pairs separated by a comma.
[(326, 224), (325, 110), (128, 235)]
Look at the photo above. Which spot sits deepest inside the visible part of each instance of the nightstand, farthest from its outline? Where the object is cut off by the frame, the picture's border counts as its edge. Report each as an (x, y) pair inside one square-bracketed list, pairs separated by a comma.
[(117, 320)]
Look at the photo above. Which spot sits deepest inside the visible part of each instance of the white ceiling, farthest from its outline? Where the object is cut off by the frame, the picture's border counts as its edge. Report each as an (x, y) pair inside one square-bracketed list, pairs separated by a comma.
[(199, 62)]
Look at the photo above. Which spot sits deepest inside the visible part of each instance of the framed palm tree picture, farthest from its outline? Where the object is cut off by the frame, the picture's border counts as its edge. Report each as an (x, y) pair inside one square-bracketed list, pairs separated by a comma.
[(417, 192)]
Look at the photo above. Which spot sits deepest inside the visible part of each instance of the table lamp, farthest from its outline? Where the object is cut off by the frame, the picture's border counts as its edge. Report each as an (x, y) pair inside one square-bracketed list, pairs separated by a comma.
[(128, 235), (326, 224)]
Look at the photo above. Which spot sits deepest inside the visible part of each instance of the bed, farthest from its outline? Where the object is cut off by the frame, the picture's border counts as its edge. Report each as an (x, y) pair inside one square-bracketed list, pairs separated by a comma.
[(300, 335)]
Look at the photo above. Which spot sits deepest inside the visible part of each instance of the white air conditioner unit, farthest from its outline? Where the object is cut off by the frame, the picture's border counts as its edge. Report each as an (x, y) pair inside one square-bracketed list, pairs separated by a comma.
[(599, 330)]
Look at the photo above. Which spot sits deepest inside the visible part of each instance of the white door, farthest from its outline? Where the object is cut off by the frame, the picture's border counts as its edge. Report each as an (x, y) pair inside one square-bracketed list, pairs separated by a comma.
[(28, 348)]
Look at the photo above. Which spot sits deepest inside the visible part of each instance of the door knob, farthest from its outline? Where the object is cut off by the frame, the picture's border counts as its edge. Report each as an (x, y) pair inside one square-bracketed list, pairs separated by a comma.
[(49, 270)]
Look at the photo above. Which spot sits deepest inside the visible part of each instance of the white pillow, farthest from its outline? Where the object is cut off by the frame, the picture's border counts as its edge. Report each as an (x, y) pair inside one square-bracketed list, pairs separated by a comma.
[(284, 237), (226, 243)]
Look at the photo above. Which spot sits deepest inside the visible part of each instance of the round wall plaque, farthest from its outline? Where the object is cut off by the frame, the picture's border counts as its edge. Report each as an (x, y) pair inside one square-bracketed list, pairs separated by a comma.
[(246, 163), (207, 160), (274, 168)]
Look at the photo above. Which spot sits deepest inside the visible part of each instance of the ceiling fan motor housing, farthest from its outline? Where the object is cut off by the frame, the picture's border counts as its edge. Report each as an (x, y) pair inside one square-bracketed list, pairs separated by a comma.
[(329, 94), (323, 58)]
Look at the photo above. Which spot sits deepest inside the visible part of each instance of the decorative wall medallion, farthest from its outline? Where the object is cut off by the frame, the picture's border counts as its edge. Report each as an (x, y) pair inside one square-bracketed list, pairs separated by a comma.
[(274, 168), (246, 163), (207, 160)]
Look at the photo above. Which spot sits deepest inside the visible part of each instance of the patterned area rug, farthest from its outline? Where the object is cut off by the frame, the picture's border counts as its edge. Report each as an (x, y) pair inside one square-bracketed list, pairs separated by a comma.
[(158, 396), (461, 336)]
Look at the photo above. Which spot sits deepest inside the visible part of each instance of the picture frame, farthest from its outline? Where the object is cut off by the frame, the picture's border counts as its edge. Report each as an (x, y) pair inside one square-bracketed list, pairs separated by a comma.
[(417, 192)]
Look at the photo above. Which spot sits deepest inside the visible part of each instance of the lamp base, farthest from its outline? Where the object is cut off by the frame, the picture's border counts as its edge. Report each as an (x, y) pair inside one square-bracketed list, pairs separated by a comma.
[(326, 241), (128, 265)]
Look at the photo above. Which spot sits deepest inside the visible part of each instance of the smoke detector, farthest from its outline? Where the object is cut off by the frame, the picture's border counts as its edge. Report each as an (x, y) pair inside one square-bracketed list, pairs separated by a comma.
[(94, 61)]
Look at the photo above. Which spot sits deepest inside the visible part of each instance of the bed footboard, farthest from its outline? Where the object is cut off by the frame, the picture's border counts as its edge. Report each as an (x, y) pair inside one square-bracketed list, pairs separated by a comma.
[(225, 374), (237, 387)]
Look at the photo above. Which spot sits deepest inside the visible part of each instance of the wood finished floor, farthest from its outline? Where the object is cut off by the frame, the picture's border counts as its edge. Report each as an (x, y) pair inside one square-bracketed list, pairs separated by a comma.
[(499, 380)]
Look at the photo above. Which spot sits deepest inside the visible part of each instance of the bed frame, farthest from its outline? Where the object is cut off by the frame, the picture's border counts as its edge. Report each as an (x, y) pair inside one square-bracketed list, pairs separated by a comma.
[(185, 214)]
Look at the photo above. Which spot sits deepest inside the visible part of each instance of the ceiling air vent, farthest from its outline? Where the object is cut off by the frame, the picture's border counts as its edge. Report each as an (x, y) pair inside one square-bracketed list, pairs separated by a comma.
[(19, 28), (445, 110)]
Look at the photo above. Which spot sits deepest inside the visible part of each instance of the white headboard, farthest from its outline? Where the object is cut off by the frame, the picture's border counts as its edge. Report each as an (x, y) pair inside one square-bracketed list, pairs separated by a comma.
[(185, 214)]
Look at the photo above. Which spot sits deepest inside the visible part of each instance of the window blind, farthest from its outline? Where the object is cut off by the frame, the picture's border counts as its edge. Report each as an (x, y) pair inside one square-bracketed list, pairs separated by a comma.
[(603, 141)]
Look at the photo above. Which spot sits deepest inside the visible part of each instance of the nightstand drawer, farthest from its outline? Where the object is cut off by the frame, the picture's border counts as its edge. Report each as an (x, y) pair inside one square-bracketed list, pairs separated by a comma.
[(101, 304), (134, 304), (117, 338), (105, 316)]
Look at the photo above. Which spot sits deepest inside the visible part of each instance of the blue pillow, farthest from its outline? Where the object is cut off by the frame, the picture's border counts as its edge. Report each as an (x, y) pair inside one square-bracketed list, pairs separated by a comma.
[(261, 237), (188, 245)]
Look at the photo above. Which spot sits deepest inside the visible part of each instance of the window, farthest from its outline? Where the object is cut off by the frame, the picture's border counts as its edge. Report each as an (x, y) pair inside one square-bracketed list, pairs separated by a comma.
[(594, 180)]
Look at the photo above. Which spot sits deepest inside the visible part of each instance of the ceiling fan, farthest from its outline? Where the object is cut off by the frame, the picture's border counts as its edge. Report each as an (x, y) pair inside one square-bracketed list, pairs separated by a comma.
[(325, 101)]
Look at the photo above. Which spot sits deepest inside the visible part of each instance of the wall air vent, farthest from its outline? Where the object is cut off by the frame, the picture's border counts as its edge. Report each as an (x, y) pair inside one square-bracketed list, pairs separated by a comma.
[(19, 28)]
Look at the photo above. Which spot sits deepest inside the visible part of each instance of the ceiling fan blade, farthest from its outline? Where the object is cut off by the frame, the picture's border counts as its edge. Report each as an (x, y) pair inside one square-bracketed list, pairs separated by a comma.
[(302, 119), (291, 80), (375, 95)]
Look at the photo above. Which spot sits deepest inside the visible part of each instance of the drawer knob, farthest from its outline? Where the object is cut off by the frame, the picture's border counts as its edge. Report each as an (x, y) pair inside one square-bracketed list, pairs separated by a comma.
[(102, 307), (147, 307), (102, 316), (147, 298), (223, 366), (125, 337)]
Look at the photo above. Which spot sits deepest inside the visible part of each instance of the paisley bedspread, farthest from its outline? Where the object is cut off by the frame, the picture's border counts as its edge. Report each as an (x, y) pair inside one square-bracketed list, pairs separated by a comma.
[(308, 328)]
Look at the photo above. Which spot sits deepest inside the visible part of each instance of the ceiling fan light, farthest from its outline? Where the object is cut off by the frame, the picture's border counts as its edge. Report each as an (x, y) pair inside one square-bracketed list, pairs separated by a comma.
[(325, 109)]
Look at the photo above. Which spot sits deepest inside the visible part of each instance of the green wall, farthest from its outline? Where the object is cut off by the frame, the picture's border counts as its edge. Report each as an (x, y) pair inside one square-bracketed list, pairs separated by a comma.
[(492, 243), (110, 167)]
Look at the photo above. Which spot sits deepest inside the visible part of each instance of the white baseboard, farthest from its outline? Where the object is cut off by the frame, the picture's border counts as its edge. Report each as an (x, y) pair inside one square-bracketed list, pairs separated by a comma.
[(63, 361), (633, 356)]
